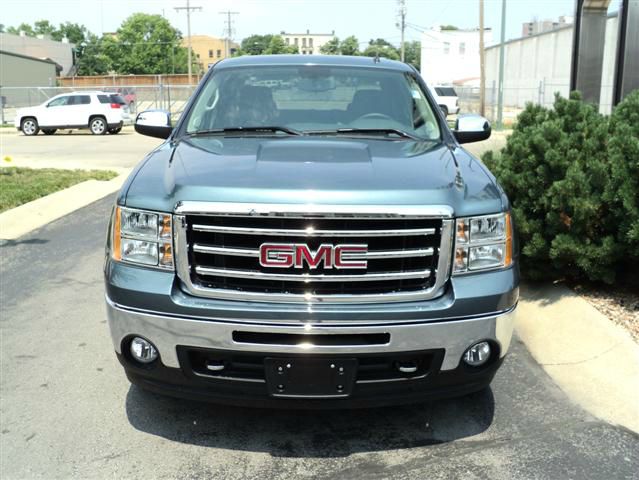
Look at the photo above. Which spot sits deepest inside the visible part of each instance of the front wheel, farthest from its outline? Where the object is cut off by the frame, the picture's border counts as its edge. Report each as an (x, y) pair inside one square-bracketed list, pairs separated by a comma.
[(115, 131), (48, 131), (29, 126), (444, 109), (98, 126)]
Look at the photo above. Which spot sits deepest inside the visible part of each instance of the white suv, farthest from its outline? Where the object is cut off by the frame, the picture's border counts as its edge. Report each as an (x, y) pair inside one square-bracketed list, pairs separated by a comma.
[(100, 112), (446, 98)]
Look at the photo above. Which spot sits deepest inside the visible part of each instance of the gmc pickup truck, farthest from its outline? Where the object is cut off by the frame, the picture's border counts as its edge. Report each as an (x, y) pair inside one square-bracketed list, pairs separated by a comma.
[(311, 234)]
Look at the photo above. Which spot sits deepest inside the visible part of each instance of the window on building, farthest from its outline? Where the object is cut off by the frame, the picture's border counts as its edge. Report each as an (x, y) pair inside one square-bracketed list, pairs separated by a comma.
[(303, 52), (303, 42), (446, 48), (310, 42), (219, 53), (210, 53), (296, 41), (462, 48), (288, 41)]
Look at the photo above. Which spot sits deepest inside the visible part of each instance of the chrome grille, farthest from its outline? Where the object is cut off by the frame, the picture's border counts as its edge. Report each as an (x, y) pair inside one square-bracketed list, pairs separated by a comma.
[(217, 252)]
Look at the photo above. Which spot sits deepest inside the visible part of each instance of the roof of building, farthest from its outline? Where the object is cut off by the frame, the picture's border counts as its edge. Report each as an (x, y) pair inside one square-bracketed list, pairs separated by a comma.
[(13, 54), (559, 28), (326, 60)]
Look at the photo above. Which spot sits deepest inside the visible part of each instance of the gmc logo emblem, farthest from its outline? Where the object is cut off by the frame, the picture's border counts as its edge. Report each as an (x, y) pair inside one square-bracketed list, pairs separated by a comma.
[(286, 255)]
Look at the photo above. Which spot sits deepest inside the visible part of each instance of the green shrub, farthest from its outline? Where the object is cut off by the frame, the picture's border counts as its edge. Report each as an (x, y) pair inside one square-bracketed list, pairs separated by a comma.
[(572, 176), (623, 188)]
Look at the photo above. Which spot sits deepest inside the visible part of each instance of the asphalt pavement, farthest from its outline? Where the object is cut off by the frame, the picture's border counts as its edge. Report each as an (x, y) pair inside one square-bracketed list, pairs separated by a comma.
[(67, 410), (75, 149)]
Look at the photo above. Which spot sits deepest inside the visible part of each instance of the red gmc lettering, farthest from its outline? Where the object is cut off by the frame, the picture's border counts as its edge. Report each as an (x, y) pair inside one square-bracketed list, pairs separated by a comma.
[(342, 259), (278, 255), (304, 254)]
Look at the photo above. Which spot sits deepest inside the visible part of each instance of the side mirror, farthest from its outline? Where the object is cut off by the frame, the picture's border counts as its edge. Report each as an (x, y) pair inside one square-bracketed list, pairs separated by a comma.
[(471, 128), (154, 123)]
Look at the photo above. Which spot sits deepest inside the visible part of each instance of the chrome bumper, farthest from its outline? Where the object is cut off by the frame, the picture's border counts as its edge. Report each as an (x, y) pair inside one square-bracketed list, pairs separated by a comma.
[(167, 332)]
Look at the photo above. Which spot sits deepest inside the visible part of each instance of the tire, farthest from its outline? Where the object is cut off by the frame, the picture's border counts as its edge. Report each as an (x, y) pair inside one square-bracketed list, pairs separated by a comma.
[(48, 131), (444, 109), (98, 126), (115, 131), (29, 126)]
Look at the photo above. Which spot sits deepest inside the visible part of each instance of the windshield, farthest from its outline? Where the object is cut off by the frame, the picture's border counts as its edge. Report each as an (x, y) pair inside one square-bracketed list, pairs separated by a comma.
[(313, 99)]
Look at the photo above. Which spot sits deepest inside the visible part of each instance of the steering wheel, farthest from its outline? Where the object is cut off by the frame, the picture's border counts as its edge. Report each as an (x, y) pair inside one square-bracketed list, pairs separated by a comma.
[(374, 116)]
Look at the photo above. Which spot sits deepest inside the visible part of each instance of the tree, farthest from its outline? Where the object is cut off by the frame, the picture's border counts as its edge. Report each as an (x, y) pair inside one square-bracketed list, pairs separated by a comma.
[(413, 53), (277, 45), (43, 27), (146, 44), (23, 27), (382, 48), (349, 46), (74, 32), (255, 44), (92, 58), (332, 47), (265, 45), (448, 27)]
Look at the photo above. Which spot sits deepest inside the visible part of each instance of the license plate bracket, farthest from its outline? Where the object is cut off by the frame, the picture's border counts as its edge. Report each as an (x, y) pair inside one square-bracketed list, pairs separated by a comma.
[(310, 377)]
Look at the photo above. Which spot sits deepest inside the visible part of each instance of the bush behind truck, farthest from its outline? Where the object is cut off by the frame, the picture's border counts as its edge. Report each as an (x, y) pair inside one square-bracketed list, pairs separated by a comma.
[(572, 175)]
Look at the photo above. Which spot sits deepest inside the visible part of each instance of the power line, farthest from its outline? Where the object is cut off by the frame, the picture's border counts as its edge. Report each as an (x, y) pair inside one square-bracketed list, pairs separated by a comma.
[(228, 30), (188, 9)]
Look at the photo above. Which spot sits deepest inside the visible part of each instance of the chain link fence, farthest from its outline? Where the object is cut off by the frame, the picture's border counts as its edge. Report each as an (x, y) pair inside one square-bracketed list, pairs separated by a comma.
[(514, 99), (174, 98), (143, 97)]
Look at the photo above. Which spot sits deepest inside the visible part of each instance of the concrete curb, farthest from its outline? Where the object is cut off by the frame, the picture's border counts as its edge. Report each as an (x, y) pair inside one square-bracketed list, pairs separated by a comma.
[(23, 219), (594, 361)]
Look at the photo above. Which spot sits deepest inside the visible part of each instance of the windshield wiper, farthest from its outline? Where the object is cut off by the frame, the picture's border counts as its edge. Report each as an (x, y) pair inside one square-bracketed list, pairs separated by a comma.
[(236, 130), (367, 131)]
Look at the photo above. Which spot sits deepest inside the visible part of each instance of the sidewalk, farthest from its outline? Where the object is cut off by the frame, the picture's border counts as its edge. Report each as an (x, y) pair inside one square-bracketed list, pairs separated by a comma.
[(594, 361), (23, 219)]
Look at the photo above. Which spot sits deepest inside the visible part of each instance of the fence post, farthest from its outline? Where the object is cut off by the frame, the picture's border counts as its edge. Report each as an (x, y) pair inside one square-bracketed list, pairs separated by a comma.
[(539, 88), (493, 95), (1, 107), (168, 97), (161, 92)]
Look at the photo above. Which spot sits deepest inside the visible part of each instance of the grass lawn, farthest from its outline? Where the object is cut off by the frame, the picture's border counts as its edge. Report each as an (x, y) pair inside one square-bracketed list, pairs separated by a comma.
[(22, 185)]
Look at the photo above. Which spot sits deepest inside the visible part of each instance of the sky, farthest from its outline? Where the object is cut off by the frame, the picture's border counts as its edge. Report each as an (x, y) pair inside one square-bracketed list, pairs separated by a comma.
[(365, 19)]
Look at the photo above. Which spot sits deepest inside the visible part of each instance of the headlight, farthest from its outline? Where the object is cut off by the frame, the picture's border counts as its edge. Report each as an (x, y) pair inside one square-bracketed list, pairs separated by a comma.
[(483, 243), (142, 237)]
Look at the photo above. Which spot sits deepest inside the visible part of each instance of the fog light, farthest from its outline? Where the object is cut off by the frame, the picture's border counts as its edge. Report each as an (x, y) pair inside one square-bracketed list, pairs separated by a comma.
[(477, 354), (142, 350)]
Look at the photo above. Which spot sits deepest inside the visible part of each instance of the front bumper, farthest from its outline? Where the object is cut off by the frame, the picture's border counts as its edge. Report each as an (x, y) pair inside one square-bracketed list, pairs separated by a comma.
[(444, 341)]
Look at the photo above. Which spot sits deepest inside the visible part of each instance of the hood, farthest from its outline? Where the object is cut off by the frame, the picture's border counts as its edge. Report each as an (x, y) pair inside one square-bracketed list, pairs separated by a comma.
[(312, 170)]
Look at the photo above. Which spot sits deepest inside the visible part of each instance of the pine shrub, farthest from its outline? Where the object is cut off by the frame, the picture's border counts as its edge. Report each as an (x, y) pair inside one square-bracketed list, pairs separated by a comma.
[(572, 176)]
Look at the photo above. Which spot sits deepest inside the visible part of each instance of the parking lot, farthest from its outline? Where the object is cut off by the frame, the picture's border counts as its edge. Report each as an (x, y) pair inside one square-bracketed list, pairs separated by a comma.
[(68, 410), (80, 149), (77, 149)]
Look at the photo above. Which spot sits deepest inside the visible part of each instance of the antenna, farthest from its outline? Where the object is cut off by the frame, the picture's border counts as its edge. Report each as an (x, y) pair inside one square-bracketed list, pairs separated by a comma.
[(188, 9)]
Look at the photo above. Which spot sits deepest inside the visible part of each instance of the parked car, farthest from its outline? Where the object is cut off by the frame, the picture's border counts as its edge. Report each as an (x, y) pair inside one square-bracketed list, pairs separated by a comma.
[(340, 252), (100, 112), (446, 98), (128, 94)]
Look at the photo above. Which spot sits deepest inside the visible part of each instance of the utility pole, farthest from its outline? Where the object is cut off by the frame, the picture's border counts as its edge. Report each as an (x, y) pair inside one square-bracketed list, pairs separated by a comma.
[(402, 24), (188, 9), (482, 63), (228, 31), (500, 88)]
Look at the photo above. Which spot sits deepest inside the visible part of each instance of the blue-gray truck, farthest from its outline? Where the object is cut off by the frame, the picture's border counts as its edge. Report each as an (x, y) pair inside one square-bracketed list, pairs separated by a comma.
[(311, 234)]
